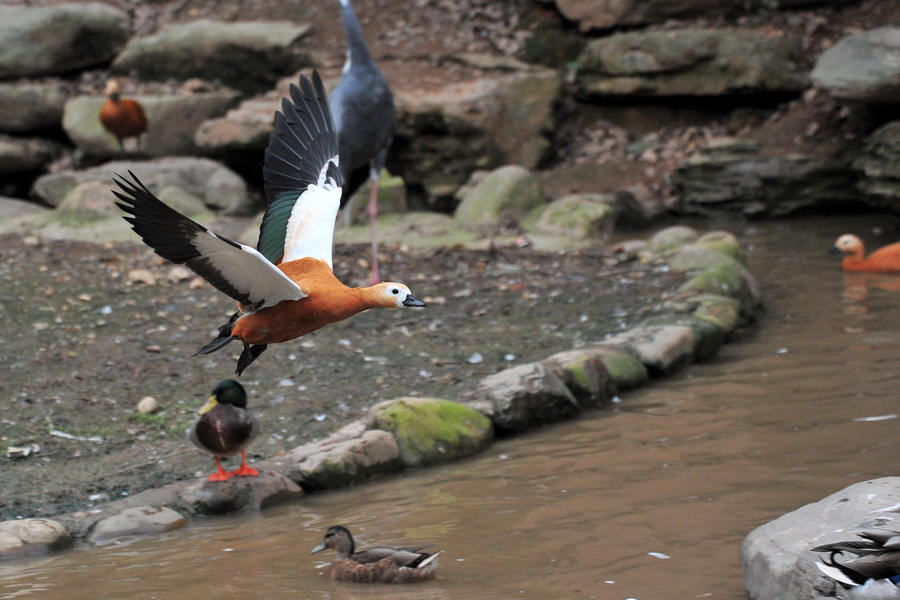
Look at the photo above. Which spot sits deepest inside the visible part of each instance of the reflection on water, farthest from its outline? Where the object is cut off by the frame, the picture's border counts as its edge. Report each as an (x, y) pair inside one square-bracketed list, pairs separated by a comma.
[(647, 500)]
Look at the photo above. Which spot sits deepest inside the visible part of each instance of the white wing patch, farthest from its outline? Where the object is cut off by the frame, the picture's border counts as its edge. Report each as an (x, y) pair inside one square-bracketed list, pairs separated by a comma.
[(246, 270), (310, 228)]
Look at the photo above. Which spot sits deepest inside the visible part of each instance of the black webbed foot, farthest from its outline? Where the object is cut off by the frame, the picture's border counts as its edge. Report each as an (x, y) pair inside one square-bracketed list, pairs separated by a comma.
[(249, 354)]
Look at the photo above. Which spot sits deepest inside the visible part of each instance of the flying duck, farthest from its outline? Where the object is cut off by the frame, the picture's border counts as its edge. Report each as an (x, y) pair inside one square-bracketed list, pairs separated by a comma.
[(223, 426), (285, 288), (362, 106), (883, 260), (875, 572), (378, 564), (122, 117)]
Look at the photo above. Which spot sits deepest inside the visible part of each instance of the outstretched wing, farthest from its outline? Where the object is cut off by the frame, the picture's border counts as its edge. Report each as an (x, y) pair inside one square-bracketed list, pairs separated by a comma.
[(302, 180), (232, 268)]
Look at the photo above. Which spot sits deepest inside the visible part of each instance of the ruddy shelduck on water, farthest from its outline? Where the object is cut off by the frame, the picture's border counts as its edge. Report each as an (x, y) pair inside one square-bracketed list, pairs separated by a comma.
[(285, 288), (883, 260)]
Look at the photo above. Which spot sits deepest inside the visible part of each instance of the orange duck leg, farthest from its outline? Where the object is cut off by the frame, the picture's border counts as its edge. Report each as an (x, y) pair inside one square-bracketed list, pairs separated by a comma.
[(883, 260)]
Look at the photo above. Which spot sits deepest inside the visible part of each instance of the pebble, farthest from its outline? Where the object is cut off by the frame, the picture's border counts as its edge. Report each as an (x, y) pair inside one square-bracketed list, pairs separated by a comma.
[(147, 405), (141, 276), (178, 274)]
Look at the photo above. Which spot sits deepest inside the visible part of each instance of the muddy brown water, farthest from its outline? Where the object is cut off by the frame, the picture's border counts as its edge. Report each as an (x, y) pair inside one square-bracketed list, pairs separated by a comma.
[(648, 499)]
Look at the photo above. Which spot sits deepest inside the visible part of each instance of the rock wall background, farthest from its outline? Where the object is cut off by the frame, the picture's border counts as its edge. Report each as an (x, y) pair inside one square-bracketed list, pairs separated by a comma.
[(702, 107)]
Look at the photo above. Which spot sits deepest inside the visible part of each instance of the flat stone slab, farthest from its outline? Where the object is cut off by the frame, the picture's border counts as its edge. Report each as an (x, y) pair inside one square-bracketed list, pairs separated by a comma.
[(864, 66), (137, 520), (205, 497), (663, 348)]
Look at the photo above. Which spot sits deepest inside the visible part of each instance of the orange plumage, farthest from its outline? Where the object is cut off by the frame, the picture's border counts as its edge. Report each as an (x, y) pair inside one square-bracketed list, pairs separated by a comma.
[(883, 260), (122, 117)]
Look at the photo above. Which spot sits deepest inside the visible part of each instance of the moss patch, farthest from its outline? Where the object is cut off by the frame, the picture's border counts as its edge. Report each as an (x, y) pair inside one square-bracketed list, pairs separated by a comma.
[(626, 371), (432, 430)]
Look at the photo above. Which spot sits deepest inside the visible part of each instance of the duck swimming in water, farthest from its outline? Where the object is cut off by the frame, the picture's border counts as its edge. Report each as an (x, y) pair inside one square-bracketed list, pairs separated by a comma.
[(285, 288), (223, 427), (378, 564), (883, 260)]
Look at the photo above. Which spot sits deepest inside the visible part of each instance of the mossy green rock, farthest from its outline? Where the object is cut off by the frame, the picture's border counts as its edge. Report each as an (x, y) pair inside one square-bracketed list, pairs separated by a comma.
[(432, 430), (580, 216), (708, 336), (724, 312), (625, 370), (698, 258), (724, 242), (503, 197), (249, 56), (585, 375), (671, 238), (727, 279)]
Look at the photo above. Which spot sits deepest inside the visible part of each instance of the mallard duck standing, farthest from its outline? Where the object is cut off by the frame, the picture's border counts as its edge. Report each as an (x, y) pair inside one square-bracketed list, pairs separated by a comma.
[(286, 287), (875, 572), (223, 427), (378, 564)]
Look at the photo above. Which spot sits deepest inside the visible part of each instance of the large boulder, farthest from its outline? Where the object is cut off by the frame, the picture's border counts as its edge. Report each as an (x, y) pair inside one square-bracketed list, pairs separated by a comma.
[(734, 176), (503, 197), (579, 216), (38, 40), (879, 165), (171, 122), (776, 557), (248, 56), (31, 536), (864, 66), (692, 62), (30, 106), (525, 396), (445, 134), (220, 188), (26, 154), (605, 14), (432, 430)]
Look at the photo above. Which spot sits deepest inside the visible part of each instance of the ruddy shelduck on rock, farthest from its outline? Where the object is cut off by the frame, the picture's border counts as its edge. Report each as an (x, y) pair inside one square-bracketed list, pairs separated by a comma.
[(883, 260), (285, 288)]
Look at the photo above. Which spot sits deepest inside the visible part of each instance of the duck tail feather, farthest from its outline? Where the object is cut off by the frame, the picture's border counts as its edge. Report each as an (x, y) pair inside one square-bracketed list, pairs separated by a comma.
[(221, 340)]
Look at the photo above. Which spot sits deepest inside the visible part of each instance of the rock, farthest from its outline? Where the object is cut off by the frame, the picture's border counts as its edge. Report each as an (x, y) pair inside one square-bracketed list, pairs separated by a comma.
[(525, 396), (147, 405), (334, 463), (446, 134), (724, 242), (88, 201), (879, 165), (391, 199), (248, 56), (662, 348), (24, 537), (579, 216), (724, 312), (670, 238), (727, 278), (204, 497), (431, 430), (26, 154), (418, 229), (217, 186), (177, 274), (585, 375), (692, 62), (11, 208), (732, 176), (698, 258), (864, 66), (84, 34), (625, 370), (708, 335), (776, 557), (144, 276), (503, 198), (138, 520), (30, 106), (171, 123)]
